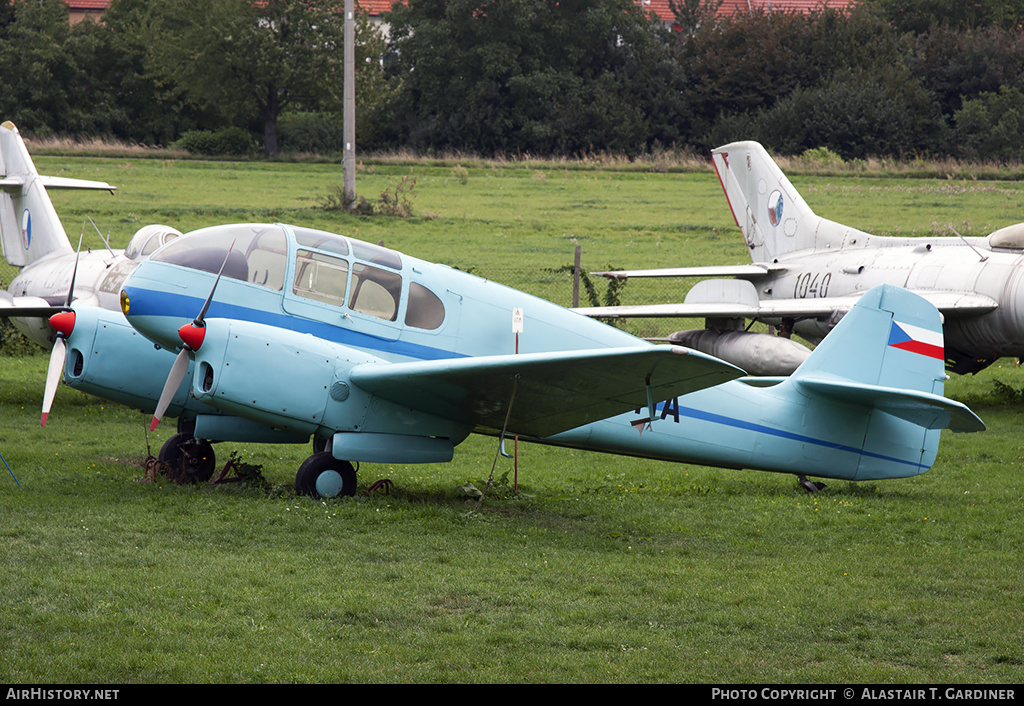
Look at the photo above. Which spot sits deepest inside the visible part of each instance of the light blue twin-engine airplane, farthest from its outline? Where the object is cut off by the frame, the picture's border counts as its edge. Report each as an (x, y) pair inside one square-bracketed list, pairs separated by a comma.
[(277, 333)]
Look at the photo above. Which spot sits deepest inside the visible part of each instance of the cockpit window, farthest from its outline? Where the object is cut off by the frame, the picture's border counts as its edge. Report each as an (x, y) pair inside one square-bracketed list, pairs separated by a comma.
[(320, 277), (249, 252), (377, 255), (375, 291), (425, 308), (147, 239), (1009, 238)]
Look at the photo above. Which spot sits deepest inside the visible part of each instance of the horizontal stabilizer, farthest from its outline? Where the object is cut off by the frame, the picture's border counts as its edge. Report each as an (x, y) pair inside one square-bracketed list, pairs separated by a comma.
[(51, 182), (553, 392), (17, 181), (922, 408)]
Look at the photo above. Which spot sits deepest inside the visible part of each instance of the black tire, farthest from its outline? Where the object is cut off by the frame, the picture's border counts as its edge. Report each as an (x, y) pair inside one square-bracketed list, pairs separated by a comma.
[(188, 459), (323, 476)]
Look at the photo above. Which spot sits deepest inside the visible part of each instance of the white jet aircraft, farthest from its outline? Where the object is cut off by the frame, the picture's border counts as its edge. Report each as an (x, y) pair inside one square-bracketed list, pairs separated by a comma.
[(807, 272)]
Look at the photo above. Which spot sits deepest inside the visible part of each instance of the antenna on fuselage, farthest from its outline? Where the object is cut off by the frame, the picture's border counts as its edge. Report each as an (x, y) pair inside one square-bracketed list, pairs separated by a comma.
[(976, 251), (106, 241)]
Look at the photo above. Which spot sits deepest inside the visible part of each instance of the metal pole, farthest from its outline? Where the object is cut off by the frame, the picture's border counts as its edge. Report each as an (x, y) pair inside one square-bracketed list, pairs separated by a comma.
[(9, 469), (349, 109), (576, 280)]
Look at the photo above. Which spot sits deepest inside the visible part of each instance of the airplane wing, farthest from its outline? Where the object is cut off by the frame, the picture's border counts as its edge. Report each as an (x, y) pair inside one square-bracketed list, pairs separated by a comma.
[(949, 303), (553, 392), (755, 270)]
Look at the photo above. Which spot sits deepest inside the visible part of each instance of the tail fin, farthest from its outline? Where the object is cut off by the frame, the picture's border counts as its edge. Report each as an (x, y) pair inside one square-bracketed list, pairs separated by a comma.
[(887, 355), (29, 226), (773, 217)]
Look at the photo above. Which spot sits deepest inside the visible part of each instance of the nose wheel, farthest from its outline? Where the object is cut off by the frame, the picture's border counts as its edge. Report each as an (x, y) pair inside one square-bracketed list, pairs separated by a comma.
[(188, 459), (323, 476)]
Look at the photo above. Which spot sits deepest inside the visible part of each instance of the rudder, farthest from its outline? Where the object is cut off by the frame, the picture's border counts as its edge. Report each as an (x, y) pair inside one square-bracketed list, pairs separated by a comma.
[(891, 338), (884, 362), (29, 226), (773, 217)]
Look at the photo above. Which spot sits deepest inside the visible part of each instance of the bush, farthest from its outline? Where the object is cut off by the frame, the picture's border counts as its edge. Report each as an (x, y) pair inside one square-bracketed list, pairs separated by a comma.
[(854, 115), (226, 141), (991, 126), (318, 133)]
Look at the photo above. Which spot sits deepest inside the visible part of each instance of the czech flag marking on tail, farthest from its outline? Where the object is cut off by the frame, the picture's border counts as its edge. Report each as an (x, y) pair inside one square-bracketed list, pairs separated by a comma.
[(916, 340)]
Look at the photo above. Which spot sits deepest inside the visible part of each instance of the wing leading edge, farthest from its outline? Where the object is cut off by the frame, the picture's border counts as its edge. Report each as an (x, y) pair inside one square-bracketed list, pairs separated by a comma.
[(553, 392), (948, 303)]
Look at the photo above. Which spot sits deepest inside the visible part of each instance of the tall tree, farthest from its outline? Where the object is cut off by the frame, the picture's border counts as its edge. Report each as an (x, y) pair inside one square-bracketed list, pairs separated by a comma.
[(919, 15), (37, 70), (250, 60), (507, 76)]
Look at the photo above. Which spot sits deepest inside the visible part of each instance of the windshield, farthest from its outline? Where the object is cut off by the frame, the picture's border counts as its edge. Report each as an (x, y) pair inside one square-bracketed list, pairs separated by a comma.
[(253, 253)]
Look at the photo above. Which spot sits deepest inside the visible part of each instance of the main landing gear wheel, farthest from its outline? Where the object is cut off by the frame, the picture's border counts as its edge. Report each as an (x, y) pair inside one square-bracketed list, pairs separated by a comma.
[(188, 459), (323, 476)]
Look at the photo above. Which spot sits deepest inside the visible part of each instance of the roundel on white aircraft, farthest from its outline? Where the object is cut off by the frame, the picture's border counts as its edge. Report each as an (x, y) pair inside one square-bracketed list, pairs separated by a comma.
[(775, 204), (26, 228)]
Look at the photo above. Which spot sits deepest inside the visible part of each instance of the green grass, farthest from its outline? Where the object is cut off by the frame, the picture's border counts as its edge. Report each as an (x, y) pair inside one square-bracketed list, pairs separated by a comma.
[(598, 569)]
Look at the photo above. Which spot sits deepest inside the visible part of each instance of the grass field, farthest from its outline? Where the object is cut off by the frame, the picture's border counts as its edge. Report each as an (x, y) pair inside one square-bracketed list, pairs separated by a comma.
[(597, 569)]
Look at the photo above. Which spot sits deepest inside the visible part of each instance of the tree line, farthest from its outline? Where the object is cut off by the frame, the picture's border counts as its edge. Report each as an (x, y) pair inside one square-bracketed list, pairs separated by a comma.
[(900, 78)]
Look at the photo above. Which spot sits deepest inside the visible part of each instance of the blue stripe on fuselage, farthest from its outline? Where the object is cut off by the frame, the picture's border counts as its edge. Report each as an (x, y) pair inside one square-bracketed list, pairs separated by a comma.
[(672, 407), (146, 302)]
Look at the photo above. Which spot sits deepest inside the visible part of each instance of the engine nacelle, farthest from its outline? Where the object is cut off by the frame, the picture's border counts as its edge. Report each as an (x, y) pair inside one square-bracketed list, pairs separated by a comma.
[(126, 368), (304, 388)]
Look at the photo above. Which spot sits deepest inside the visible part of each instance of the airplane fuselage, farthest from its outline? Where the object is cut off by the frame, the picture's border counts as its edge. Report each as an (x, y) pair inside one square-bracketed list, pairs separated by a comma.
[(295, 313), (937, 267), (95, 275)]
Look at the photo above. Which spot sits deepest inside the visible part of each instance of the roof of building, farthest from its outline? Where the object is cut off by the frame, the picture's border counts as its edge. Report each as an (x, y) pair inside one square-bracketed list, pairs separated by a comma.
[(659, 7)]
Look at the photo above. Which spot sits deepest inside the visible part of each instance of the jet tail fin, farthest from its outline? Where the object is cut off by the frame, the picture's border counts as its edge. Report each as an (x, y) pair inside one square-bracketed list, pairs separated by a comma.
[(29, 226), (773, 217), (885, 358)]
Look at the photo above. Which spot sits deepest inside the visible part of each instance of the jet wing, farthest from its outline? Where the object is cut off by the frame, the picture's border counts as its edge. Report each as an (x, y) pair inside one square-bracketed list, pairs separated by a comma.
[(949, 303), (547, 392), (765, 309), (26, 307), (755, 270)]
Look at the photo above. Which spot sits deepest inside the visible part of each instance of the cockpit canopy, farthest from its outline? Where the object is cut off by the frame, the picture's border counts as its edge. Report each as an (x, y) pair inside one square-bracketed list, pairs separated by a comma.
[(1008, 238), (147, 239), (329, 269)]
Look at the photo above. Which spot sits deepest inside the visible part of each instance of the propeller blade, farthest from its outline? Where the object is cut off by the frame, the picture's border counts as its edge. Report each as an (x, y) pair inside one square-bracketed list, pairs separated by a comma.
[(53, 374), (194, 334), (206, 305), (74, 272), (174, 379)]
